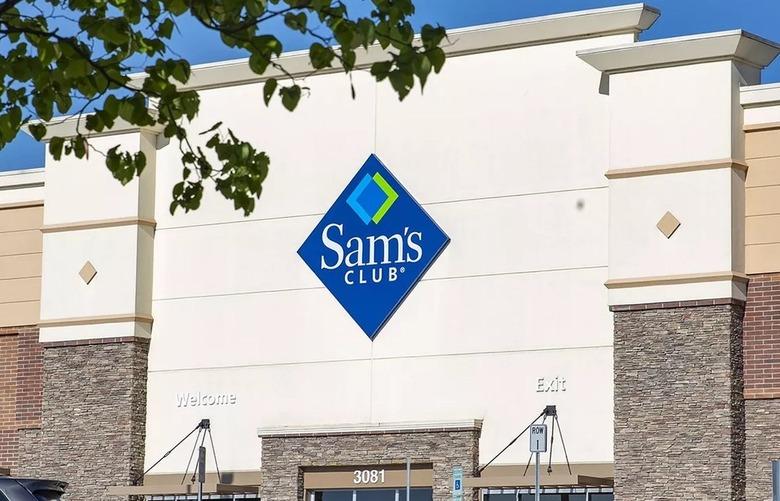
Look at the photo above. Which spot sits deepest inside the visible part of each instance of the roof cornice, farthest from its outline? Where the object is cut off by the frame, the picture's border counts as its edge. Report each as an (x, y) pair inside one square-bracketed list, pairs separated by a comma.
[(757, 96), (22, 178), (69, 126), (737, 45), (632, 18), (363, 428)]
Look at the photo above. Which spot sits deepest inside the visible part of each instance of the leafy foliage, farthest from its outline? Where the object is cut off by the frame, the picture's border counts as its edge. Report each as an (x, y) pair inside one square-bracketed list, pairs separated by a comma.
[(59, 54)]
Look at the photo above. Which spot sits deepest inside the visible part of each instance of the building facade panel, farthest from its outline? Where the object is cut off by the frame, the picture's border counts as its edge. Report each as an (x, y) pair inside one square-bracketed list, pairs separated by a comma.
[(268, 261), (762, 200), (100, 196), (761, 447), (291, 456), (524, 136), (8, 383), (679, 409), (603, 175), (111, 251), (505, 391), (102, 419), (339, 132), (21, 218), (762, 337), (267, 395), (763, 172), (20, 256), (696, 133), (422, 326), (21, 391)]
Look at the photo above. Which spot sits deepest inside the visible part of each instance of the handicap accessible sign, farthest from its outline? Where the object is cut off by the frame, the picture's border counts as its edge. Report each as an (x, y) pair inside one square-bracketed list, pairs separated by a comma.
[(372, 246)]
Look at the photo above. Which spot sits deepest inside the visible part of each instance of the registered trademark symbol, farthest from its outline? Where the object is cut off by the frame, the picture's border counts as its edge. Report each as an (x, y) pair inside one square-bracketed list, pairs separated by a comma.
[(403, 269)]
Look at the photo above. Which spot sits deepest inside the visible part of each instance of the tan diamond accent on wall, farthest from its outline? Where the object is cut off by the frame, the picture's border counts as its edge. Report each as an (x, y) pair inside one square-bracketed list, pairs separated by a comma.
[(668, 224), (87, 272)]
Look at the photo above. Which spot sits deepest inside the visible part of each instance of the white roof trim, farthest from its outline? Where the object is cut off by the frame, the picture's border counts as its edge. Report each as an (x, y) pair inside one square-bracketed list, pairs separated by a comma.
[(631, 18), (758, 96), (66, 126), (271, 431), (22, 178), (490, 37), (736, 45)]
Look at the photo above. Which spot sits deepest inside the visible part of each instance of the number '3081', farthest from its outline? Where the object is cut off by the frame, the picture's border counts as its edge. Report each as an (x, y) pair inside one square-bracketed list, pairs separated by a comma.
[(369, 477)]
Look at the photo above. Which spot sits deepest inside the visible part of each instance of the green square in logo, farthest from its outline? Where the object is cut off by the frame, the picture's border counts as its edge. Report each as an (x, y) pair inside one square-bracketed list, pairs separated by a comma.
[(392, 196)]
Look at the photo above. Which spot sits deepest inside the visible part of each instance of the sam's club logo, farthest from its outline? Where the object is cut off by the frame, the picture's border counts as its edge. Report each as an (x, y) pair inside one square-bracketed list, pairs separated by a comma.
[(372, 246), (372, 198)]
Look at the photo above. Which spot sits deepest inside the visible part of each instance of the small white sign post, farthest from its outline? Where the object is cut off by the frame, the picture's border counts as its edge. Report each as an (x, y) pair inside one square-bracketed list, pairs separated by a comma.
[(537, 446)]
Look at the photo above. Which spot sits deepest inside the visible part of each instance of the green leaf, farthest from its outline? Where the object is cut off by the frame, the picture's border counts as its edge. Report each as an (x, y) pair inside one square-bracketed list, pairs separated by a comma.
[(268, 90), (50, 67), (258, 63), (111, 105), (139, 162), (95, 122), (436, 57), (321, 56), (348, 59), (38, 131), (402, 82), (296, 22), (381, 69), (181, 71), (55, 147), (79, 146), (290, 96), (212, 128), (423, 69), (177, 7), (165, 29)]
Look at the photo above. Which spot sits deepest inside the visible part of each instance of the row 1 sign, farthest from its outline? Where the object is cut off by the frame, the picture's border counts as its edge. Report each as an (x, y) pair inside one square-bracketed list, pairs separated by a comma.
[(372, 246)]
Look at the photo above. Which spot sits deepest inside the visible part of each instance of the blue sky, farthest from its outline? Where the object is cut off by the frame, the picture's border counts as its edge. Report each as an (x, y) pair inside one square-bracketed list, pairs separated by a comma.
[(679, 17)]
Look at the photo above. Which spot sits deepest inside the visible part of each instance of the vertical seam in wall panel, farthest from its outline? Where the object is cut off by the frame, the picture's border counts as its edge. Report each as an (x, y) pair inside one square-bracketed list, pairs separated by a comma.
[(376, 113)]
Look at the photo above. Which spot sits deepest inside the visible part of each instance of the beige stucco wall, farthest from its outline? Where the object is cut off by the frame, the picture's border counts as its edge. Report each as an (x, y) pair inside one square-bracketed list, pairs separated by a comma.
[(762, 201), (20, 263)]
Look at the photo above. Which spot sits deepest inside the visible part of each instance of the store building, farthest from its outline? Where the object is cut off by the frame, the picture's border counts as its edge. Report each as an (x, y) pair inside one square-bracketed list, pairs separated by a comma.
[(613, 216)]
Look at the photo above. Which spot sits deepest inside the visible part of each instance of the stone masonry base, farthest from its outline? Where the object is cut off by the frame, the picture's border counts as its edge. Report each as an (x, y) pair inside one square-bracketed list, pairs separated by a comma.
[(679, 410), (763, 446), (285, 458), (94, 417)]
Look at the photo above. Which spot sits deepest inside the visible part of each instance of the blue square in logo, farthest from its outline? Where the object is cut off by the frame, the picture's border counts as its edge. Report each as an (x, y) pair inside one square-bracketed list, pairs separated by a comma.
[(372, 198), (372, 246)]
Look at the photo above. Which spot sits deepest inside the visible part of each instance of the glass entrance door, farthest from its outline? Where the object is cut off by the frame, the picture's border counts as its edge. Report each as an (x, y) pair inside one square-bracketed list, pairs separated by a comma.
[(417, 494)]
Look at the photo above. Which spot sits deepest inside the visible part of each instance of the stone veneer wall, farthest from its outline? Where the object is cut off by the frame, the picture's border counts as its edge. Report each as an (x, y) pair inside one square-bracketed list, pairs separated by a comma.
[(285, 458), (94, 416), (679, 409), (762, 383), (763, 445)]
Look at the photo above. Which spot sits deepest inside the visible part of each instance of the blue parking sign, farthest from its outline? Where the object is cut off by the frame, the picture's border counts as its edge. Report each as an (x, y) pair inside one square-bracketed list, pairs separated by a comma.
[(457, 484)]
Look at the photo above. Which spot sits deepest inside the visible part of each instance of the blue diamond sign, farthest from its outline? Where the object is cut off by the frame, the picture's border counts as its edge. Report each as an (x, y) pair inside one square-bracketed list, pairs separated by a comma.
[(372, 246)]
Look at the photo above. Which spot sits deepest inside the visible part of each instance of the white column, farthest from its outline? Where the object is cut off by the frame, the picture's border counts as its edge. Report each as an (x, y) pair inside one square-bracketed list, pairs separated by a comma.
[(676, 169), (98, 239)]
